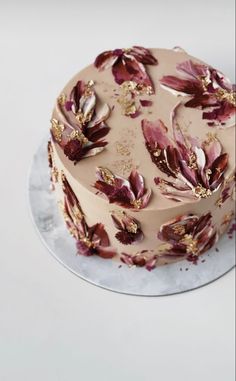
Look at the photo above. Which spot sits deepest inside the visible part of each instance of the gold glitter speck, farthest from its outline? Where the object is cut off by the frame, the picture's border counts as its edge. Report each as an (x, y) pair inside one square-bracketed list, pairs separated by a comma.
[(202, 192)]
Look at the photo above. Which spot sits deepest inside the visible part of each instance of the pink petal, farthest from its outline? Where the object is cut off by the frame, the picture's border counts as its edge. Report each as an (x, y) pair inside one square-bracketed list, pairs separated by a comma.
[(193, 69), (212, 150), (146, 198), (155, 133), (151, 263)]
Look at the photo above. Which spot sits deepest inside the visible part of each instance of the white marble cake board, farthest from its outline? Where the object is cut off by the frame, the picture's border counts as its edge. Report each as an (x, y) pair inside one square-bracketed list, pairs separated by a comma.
[(113, 275)]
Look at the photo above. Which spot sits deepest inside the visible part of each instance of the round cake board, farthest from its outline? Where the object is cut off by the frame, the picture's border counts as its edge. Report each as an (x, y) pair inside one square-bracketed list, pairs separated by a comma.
[(109, 274)]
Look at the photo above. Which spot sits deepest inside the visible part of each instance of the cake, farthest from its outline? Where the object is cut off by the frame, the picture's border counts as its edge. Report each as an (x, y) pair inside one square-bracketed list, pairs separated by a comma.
[(142, 155)]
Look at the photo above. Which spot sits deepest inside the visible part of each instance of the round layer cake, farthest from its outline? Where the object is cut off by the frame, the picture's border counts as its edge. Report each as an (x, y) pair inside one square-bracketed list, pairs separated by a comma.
[(142, 156)]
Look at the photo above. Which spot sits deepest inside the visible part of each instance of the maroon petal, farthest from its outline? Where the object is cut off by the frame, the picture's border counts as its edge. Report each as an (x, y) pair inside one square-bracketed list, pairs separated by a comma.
[(172, 159), (125, 237), (76, 95), (218, 167), (137, 183), (202, 101), (139, 260), (105, 60), (118, 222), (101, 234), (174, 231), (221, 114), (105, 252), (185, 86), (211, 242), (202, 223), (143, 55), (145, 103), (128, 69), (68, 105), (73, 150), (97, 132)]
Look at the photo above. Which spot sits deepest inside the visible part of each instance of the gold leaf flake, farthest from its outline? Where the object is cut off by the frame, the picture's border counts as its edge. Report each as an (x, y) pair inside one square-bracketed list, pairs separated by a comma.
[(190, 243), (192, 164), (132, 227), (136, 203), (75, 134), (107, 175), (61, 99), (57, 129)]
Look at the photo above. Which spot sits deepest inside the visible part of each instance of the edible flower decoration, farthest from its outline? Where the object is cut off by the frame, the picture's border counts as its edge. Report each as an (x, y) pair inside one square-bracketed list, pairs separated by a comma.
[(129, 228), (188, 236), (80, 128), (139, 260), (196, 168), (130, 193), (208, 88), (129, 65), (89, 240)]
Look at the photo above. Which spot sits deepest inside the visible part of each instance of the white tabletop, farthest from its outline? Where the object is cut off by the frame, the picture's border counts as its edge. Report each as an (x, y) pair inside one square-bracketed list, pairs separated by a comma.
[(54, 326)]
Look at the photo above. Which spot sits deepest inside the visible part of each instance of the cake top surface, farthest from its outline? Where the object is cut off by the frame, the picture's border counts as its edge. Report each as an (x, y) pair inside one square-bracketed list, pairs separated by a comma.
[(147, 128)]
